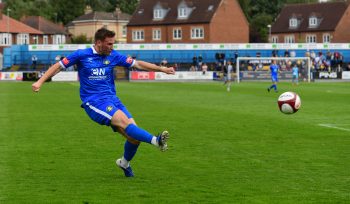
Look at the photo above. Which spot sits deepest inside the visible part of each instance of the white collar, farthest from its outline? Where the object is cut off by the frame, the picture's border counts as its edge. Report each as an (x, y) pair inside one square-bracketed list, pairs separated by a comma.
[(93, 50)]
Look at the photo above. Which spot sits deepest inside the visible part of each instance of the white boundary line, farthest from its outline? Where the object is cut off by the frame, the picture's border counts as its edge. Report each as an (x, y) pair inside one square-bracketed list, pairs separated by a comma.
[(334, 127)]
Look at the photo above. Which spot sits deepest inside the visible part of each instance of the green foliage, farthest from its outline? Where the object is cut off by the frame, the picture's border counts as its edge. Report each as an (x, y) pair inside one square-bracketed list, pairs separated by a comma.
[(128, 6), (81, 39)]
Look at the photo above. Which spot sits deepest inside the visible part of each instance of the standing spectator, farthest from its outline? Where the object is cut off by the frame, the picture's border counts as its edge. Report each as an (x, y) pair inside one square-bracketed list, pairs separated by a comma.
[(195, 62), (274, 53), (293, 54), (164, 62), (204, 68), (200, 61), (34, 61), (286, 53), (57, 58)]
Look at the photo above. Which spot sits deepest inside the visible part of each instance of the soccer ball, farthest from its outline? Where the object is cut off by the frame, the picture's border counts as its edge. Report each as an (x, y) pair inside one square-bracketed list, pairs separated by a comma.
[(289, 102)]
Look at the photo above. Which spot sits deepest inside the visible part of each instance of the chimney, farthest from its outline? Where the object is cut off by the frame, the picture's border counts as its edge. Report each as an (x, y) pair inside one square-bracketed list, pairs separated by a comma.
[(117, 12), (87, 9)]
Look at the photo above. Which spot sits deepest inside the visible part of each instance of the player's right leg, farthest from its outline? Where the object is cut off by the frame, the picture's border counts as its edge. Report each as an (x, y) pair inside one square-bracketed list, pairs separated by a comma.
[(120, 120)]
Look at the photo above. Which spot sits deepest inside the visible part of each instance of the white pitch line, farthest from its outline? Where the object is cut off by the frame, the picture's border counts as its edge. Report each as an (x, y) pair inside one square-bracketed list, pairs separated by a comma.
[(334, 127)]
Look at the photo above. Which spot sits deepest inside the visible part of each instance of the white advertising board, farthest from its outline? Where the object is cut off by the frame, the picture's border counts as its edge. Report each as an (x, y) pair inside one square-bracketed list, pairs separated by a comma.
[(346, 75), (11, 76), (66, 76), (184, 76)]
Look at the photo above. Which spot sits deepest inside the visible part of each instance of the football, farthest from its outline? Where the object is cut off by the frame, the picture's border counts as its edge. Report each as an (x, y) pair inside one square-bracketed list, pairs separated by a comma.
[(289, 102)]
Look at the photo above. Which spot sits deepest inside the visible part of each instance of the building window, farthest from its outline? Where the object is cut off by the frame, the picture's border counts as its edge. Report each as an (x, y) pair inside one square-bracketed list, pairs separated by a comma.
[(197, 33), (293, 23), (311, 39), (124, 31), (138, 35), (312, 22), (182, 12), (274, 39), (157, 14), (177, 34), (45, 39), (5, 39), (326, 38), (36, 39), (22, 39), (58, 39), (63, 39), (156, 34), (289, 39)]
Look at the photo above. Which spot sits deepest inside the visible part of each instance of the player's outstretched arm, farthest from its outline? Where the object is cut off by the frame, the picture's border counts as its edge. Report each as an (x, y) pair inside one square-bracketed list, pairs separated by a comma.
[(152, 67), (52, 71)]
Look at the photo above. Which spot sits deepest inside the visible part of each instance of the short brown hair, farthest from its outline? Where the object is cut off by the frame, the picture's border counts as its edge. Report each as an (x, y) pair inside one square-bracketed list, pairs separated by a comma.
[(103, 33)]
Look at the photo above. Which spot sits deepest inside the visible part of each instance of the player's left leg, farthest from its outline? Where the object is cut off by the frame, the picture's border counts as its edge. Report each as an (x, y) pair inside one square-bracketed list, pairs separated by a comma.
[(275, 86), (130, 149)]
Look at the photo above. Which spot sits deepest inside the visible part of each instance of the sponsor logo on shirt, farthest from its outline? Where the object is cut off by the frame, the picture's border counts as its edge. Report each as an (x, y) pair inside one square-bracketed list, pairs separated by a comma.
[(129, 60), (65, 61), (106, 62), (98, 74), (109, 108)]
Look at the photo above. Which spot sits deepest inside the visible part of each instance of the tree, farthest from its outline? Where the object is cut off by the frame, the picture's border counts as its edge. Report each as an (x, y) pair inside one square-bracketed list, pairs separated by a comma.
[(127, 6), (81, 39)]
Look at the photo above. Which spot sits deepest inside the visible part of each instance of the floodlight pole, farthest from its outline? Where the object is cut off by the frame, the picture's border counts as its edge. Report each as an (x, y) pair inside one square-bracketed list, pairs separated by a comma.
[(269, 26), (8, 25)]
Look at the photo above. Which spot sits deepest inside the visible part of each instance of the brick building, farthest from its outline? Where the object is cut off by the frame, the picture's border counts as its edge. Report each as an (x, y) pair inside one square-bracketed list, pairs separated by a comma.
[(188, 21), (52, 33), (313, 23)]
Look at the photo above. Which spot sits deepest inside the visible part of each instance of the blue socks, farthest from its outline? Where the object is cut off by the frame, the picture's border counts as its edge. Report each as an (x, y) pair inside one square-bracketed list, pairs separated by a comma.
[(129, 150), (138, 133), (274, 86)]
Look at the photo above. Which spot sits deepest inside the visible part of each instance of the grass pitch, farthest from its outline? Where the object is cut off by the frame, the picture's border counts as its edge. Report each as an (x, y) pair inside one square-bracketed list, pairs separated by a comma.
[(225, 147)]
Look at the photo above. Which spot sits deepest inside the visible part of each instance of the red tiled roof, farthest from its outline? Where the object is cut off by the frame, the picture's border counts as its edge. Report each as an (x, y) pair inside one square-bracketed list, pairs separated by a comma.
[(143, 15), (329, 13), (46, 26), (16, 26)]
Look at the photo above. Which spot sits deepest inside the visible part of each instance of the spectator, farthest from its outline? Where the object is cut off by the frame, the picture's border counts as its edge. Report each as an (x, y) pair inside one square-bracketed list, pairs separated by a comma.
[(204, 68), (192, 69), (293, 54), (34, 61), (195, 62), (274, 53), (57, 58), (164, 62), (200, 61), (286, 53)]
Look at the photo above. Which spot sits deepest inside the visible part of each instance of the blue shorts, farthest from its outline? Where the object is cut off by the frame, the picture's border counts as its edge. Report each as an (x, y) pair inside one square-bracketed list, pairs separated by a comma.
[(102, 111), (274, 78)]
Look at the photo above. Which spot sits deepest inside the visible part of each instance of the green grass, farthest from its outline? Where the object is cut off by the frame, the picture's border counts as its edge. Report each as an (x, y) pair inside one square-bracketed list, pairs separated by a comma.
[(225, 147)]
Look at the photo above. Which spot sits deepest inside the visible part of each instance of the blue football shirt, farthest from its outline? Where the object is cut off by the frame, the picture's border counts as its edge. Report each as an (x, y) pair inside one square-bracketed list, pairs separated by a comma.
[(95, 72), (274, 70), (295, 71)]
